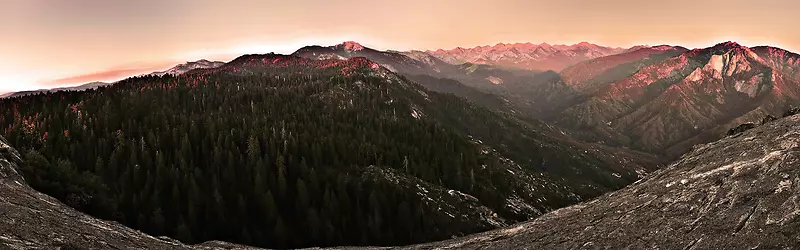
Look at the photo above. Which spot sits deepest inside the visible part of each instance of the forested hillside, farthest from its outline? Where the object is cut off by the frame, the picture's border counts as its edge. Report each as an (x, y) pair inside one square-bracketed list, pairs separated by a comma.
[(279, 151)]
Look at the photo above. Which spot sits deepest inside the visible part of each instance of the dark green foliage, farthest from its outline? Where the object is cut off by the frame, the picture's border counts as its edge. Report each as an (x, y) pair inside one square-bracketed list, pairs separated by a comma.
[(79, 189), (274, 156), (251, 159)]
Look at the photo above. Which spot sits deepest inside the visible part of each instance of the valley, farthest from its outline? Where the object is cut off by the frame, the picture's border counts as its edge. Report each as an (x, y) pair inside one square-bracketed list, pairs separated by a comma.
[(350, 144), (735, 193), (659, 99)]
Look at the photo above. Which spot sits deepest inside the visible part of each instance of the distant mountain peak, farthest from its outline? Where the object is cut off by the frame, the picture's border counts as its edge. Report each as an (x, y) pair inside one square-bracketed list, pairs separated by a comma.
[(732, 43), (351, 46), (252, 62), (187, 66), (201, 61), (341, 51), (638, 47), (526, 55), (728, 45), (664, 47)]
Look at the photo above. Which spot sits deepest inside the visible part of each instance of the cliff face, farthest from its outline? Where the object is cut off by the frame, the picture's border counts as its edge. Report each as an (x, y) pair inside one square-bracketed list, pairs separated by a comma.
[(741, 192), (32, 220)]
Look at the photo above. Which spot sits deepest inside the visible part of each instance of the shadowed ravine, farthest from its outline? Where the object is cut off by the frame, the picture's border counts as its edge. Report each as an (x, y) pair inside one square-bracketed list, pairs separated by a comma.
[(740, 192)]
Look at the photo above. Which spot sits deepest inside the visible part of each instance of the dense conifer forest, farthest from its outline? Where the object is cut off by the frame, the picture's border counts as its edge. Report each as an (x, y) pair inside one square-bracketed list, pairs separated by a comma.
[(283, 152)]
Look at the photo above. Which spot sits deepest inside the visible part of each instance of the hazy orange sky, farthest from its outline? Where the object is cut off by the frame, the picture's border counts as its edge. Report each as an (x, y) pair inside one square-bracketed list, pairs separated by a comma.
[(47, 43)]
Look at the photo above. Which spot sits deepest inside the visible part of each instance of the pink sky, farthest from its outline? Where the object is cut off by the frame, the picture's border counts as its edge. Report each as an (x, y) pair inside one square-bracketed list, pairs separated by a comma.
[(49, 43)]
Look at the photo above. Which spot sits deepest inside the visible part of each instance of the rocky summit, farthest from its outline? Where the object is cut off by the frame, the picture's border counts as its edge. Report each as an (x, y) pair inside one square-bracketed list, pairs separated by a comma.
[(741, 192)]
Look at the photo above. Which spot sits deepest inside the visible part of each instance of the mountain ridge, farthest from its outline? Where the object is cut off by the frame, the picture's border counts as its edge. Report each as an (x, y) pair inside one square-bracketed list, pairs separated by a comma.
[(596, 92), (91, 85), (529, 56), (188, 66)]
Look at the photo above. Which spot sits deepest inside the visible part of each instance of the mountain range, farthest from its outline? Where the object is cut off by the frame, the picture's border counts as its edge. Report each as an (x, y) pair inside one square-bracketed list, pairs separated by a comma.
[(540, 57), (615, 99), (451, 142)]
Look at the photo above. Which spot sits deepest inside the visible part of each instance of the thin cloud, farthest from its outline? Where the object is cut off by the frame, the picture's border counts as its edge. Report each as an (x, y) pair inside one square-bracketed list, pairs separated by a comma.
[(108, 75)]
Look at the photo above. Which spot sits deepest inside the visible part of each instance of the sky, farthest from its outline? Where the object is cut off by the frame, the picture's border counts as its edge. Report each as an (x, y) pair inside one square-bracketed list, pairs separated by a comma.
[(51, 43)]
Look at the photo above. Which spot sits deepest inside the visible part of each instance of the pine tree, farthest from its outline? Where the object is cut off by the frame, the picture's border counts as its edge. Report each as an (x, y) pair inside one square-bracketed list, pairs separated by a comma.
[(302, 194), (157, 222), (253, 149), (269, 208), (183, 234), (279, 164), (314, 225), (100, 167), (279, 232)]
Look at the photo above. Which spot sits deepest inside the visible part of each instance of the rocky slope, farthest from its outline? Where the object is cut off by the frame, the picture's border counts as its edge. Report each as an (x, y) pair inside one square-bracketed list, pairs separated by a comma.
[(528, 56), (741, 192), (32, 220), (673, 103), (588, 76)]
